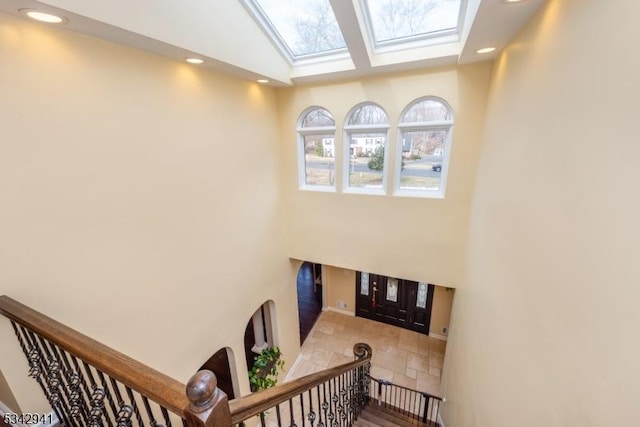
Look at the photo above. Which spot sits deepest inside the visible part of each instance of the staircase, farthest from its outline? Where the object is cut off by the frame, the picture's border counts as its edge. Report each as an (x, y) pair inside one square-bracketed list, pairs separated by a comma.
[(379, 416), (90, 384)]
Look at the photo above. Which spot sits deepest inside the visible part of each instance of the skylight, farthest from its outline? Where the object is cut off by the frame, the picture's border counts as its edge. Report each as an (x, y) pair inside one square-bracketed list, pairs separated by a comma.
[(304, 28), (395, 21)]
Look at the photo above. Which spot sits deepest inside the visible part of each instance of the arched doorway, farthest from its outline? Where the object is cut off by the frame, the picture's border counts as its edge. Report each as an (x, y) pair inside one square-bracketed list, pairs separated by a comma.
[(220, 364), (260, 332)]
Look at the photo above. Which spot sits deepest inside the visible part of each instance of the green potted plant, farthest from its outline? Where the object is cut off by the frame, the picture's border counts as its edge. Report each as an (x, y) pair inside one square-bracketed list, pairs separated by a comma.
[(266, 367)]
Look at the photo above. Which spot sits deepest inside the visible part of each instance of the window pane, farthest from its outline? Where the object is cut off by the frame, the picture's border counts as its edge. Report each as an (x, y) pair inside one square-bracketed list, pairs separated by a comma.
[(422, 295), (319, 161), (366, 160), (364, 284), (392, 290), (397, 19), (306, 26), (318, 118), (368, 114), (422, 159), (426, 111)]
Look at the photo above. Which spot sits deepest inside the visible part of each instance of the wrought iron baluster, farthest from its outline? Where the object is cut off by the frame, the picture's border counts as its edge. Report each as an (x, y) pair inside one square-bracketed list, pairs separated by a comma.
[(167, 419), (353, 388), (349, 397), (339, 403), (35, 365), (333, 398), (123, 417), (78, 369), (301, 396), (150, 416), (114, 401), (338, 420), (312, 413), (343, 399), (51, 375), (325, 404), (278, 417), (414, 400), (320, 423), (292, 422), (83, 382), (99, 394), (134, 405), (74, 385)]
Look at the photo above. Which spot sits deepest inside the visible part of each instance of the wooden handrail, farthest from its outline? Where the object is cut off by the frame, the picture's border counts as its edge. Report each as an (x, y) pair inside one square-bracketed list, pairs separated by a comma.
[(155, 385), (253, 404), (201, 403)]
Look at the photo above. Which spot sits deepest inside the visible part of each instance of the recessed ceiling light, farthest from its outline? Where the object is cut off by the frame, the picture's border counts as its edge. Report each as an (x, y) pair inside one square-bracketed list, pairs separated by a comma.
[(512, 1), (486, 50), (49, 18), (263, 81), (194, 60)]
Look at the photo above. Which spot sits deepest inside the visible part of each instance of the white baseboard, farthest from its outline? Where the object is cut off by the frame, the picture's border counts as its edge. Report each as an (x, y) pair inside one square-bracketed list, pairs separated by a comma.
[(51, 416), (339, 310), (438, 336)]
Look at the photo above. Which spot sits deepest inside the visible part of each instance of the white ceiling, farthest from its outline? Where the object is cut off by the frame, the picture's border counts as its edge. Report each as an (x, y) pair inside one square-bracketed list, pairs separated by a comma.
[(224, 34)]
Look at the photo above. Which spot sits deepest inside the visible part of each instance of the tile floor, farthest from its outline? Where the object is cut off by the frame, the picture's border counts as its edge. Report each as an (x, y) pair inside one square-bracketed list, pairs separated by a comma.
[(401, 356)]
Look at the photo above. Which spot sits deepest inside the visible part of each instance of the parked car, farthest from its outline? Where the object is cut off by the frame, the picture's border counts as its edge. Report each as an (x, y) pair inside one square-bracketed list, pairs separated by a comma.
[(436, 168)]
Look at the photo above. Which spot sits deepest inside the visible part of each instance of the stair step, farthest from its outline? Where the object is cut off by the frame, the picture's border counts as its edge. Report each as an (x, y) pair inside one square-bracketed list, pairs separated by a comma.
[(379, 416)]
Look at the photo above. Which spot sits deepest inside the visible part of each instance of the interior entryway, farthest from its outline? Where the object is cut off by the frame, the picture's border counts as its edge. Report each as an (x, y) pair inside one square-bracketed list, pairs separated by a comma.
[(259, 332), (220, 365), (398, 302), (309, 283), (406, 358)]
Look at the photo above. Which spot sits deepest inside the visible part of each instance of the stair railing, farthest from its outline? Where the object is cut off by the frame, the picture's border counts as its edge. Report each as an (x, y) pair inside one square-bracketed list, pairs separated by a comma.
[(90, 384), (333, 397), (414, 404)]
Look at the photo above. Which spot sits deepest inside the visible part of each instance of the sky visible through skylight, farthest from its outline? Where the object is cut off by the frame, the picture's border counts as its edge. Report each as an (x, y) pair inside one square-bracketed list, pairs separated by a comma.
[(397, 19), (306, 26)]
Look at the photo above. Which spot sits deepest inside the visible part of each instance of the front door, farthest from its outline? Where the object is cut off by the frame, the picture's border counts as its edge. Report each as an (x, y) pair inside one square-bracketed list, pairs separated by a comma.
[(394, 301)]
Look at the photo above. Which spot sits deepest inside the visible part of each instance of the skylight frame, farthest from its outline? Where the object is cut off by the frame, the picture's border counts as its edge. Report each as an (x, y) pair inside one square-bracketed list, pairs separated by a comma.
[(449, 35), (267, 26)]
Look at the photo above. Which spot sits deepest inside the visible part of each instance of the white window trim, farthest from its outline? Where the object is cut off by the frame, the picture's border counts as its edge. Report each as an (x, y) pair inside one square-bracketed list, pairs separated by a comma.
[(350, 130), (302, 164), (423, 126)]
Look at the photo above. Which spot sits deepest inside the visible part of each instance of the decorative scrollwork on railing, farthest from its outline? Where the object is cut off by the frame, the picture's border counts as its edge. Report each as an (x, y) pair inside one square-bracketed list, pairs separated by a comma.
[(33, 358), (75, 394), (124, 415), (99, 388), (362, 350), (53, 381), (97, 407)]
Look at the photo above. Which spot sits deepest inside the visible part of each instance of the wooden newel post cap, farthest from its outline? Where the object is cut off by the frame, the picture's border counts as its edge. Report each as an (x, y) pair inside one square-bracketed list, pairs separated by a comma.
[(201, 390)]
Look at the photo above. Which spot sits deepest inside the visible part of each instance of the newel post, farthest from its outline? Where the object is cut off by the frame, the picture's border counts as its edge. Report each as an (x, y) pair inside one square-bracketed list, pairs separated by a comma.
[(208, 405)]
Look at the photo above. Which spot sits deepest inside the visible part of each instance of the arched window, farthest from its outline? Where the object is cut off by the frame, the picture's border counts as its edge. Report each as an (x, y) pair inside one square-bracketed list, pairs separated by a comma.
[(365, 148), (424, 146), (316, 149)]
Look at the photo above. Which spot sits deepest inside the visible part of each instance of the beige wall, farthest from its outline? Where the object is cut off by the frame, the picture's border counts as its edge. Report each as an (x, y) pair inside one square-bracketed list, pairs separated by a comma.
[(413, 238), (340, 286), (545, 328), (441, 310), (140, 202), (6, 396)]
